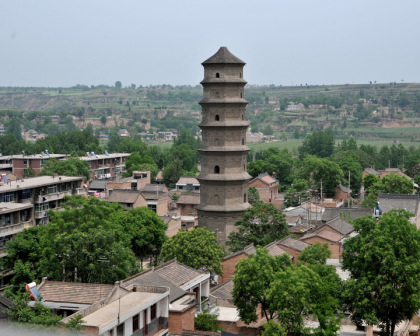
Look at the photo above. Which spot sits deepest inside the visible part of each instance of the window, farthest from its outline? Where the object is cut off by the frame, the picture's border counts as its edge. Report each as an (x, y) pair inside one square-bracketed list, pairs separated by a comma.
[(26, 194), (5, 220), (7, 197), (217, 118), (153, 312), (25, 163), (217, 75), (243, 142), (136, 325), (152, 206), (241, 94), (216, 169), (245, 198), (52, 189), (240, 75)]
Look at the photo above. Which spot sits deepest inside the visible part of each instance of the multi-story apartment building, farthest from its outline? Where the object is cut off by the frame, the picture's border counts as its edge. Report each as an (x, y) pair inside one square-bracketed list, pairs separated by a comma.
[(24, 202), (20, 163), (105, 166)]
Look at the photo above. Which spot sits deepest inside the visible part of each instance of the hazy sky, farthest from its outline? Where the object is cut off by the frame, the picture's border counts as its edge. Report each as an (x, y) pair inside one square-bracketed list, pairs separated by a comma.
[(64, 43)]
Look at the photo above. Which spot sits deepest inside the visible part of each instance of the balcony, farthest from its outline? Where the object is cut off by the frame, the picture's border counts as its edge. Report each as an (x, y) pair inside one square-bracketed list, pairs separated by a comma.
[(40, 214), (11, 229)]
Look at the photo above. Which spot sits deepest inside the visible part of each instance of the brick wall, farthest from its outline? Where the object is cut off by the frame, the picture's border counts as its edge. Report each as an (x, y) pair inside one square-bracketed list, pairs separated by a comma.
[(267, 193), (181, 320), (228, 267), (334, 247)]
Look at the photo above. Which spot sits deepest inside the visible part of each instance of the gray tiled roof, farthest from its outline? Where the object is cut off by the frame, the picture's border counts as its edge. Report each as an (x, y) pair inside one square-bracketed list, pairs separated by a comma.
[(389, 202), (340, 225), (189, 198), (177, 273), (223, 55), (293, 244), (98, 185), (82, 293), (223, 291), (124, 196), (331, 213), (154, 188), (149, 278)]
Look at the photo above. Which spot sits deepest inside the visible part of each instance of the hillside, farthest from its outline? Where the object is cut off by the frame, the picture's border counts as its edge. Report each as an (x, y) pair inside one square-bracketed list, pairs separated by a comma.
[(370, 110)]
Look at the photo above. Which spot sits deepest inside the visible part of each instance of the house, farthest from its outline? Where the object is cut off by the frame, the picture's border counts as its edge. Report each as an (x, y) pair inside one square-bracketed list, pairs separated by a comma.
[(129, 199), (187, 204), (267, 188), (230, 261), (139, 310), (370, 171), (337, 225), (188, 183), (342, 194), (228, 320), (410, 203), (123, 133), (326, 236), (293, 246), (66, 298), (157, 198), (309, 212)]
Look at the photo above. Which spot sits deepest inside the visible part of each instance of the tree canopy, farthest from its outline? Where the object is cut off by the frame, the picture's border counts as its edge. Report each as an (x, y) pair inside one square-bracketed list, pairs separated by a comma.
[(197, 248), (72, 166), (319, 143), (384, 261), (89, 241), (260, 225), (287, 293)]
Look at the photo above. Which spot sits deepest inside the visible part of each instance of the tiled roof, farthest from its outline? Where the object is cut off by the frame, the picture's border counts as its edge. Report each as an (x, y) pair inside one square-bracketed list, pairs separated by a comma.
[(187, 180), (124, 196), (389, 202), (371, 171), (177, 273), (293, 244), (98, 185), (344, 189), (300, 228), (189, 198), (275, 250), (154, 188), (325, 234), (266, 178), (223, 291), (82, 293), (292, 219), (340, 225), (154, 195), (223, 55), (331, 213), (149, 278)]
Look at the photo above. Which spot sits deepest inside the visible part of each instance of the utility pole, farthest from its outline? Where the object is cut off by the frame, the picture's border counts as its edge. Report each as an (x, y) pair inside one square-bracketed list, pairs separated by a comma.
[(349, 200)]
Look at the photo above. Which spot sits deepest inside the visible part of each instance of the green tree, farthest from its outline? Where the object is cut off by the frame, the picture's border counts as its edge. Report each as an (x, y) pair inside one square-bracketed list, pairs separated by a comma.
[(319, 143), (39, 315), (315, 170), (297, 193), (253, 195), (145, 229), (396, 184), (206, 321), (72, 166), (197, 248), (252, 278), (369, 181), (118, 85), (384, 261), (82, 244), (172, 172), (260, 225)]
